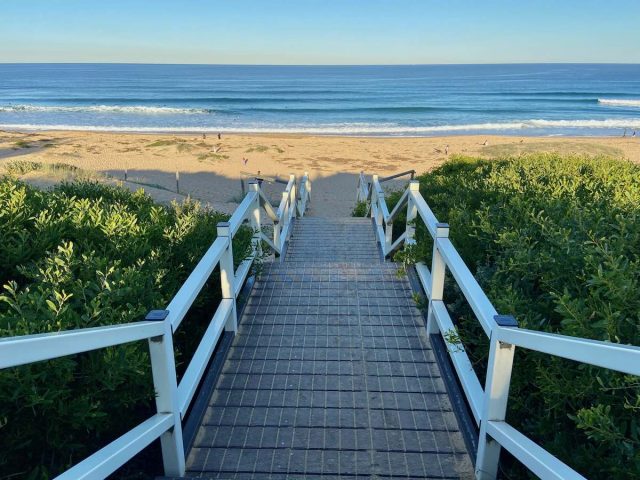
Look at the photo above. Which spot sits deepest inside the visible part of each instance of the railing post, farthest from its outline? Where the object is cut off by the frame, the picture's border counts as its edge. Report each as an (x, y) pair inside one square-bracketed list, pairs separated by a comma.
[(227, 280), (293, 195), (284, 221), (412, 213), (277, 230), (307, 188), (256, 222), (438, 271), (388, 236), (163, 369), (304, 187), (374, 198), (496, 395)]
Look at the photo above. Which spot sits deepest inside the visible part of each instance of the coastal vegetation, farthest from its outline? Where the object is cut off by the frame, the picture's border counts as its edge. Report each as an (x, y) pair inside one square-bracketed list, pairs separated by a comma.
[(553, 240), (84, 255)]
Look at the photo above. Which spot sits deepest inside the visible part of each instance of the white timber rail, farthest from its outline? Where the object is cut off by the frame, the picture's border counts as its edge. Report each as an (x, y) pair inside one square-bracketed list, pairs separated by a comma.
[(489, 404), (172, 399)]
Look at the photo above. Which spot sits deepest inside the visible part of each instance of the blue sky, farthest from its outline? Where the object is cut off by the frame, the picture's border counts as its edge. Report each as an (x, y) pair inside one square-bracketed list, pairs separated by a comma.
[(320, 31)]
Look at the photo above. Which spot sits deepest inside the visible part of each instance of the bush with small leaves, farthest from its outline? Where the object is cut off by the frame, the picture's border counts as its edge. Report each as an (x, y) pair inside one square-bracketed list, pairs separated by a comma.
[(555, 241), (87, 255)]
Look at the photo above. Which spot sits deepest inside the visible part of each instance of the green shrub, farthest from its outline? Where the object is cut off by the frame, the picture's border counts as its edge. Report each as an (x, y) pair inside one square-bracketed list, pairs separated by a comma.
[(86, 255), (360, 210), (555, 241)]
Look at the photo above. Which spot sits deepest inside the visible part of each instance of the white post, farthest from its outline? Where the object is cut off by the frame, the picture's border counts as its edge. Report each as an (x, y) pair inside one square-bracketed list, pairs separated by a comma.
[(227, 280), (412, 213), (307, 187), (163, 369), (256, 222), (388, 236), (277, 227), (304, 188), (496, 395), (284, 220), (438, 271), (374, 198), (293, 195)]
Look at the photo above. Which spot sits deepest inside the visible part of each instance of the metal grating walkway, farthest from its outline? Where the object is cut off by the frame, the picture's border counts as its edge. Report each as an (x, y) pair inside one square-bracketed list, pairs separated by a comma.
[(331, 374)]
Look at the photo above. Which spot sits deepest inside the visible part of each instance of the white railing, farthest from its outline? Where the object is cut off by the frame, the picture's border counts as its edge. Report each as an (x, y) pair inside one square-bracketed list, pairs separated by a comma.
[(489, 404), (172, 399)]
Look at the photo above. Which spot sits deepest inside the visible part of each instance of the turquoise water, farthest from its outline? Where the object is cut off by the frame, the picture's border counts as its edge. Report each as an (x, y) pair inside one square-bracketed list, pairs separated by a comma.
[(528, 99)]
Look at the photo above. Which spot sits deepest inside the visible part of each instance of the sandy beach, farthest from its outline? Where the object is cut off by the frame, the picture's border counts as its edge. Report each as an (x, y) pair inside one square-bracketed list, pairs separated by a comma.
[(211, 169)]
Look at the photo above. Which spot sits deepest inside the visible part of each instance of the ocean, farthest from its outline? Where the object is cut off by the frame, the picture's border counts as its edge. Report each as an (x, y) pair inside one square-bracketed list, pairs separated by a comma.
[(420, 100)]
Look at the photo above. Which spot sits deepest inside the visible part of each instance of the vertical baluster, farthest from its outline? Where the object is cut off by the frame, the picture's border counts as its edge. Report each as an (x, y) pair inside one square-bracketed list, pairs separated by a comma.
[(227, 276), (284, 218), (388, 236), (163, 369), (256, 222), (292, 196), (374, 199), (496, 396), (277, 231), (412, 213), (438, 271)]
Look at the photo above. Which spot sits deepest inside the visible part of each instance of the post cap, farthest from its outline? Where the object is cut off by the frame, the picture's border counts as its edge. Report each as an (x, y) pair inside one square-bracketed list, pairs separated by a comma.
[(414, 185), (506, 320), (223, 229), (157, 315), (442, 230)]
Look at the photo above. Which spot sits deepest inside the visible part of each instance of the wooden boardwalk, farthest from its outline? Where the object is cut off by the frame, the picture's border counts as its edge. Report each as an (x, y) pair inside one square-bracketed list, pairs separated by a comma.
[(331, 374)]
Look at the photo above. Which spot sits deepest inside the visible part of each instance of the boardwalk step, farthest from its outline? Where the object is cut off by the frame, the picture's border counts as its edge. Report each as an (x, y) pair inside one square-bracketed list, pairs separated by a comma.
[(331, 374)]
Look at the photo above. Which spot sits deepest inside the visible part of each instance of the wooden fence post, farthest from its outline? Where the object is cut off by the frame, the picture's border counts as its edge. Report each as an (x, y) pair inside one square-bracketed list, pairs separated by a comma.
[(438, 271), (227, 277), (163, 369), (496, 396), (412, 213)]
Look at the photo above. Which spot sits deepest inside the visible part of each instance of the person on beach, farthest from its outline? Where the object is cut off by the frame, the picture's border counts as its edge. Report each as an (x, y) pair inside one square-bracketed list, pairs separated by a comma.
[(245, 160), (219, 136), (204, 136)]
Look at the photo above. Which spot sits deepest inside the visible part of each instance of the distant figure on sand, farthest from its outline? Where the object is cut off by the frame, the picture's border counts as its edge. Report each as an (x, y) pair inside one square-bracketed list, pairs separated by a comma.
[(446, 149), (219, 136), (485, 143), (245, 160), (633, 134), (625, 133), (204, 136)]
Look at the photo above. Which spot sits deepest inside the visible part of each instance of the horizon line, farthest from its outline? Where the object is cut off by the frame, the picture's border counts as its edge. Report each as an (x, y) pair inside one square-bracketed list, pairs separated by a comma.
[(319, 64)]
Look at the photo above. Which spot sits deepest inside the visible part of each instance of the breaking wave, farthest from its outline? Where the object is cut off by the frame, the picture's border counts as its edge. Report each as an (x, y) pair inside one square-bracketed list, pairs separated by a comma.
[(134, 109), (615, 102), (356, 128)]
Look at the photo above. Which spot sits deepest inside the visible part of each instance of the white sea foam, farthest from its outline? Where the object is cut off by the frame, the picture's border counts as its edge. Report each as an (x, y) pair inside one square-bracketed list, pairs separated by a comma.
[(135, 109), (615, 102), (357, 128)]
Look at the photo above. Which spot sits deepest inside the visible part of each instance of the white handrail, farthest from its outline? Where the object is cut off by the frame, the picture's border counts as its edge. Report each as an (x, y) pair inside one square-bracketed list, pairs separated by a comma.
[(15, 351), (182, 301), (488, 405), (121, 450), (172, 400)]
